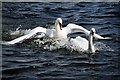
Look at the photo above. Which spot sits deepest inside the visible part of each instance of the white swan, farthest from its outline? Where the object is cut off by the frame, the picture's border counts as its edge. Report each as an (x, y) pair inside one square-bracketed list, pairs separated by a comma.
[(82, 44), (58, 32)]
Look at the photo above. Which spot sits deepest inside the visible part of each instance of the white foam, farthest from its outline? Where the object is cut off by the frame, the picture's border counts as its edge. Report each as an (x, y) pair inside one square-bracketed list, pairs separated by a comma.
[(19, 31), (53, 44), (102, 47)]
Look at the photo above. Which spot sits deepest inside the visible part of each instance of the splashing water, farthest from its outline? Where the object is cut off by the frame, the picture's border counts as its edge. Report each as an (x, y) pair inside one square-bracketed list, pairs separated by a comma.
[(19, 31), (53, 44), (102, 47)]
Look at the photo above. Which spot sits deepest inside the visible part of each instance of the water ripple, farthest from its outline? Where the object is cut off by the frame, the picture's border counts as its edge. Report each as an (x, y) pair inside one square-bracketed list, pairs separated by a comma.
[(31, 61)]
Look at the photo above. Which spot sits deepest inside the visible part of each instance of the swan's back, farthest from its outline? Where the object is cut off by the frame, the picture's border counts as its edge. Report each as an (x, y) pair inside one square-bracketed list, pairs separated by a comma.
[(78, 44)]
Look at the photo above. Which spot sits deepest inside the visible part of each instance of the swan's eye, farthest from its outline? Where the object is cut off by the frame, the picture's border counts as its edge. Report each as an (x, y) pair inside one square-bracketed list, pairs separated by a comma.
[(60, 26)]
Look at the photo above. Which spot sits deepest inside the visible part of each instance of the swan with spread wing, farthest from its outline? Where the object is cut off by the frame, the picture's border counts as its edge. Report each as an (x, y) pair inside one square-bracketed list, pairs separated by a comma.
[(59, 32)]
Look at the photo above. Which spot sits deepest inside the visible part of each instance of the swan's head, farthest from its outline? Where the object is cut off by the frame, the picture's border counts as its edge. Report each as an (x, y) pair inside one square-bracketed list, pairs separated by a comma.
[(92, 31), (59, 23)]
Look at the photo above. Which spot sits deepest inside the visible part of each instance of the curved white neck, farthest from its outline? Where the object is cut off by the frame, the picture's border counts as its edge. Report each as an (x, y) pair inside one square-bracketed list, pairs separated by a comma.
[(60, 33), (91, 48), (57, 28)]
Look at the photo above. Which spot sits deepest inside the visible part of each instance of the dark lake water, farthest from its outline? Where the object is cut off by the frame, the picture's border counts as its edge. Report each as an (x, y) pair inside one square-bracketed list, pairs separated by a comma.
[(26, 61)]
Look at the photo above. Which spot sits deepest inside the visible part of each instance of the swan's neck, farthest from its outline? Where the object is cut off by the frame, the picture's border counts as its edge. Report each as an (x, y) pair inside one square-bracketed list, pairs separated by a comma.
[(91, 46), (58, 28), (60, 33)]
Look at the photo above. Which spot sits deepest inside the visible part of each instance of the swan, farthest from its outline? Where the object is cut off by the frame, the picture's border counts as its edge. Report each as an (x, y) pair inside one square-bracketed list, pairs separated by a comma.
[(58, 32), (82, 44)]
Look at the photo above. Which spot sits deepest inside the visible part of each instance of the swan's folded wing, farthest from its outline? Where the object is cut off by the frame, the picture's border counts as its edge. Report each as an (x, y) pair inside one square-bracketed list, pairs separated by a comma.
[(50, 33)]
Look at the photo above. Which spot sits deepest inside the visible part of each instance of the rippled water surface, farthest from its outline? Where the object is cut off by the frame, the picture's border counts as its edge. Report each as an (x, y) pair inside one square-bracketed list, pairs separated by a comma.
[(28, 61)]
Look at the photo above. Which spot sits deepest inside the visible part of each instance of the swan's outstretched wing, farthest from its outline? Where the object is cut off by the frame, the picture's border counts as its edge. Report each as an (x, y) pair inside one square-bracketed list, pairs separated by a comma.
[(48, 32), (72, 28)]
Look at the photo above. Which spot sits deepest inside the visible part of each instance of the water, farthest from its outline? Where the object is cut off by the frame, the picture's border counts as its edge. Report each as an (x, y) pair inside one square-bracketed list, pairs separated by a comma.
[(32, 62)]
